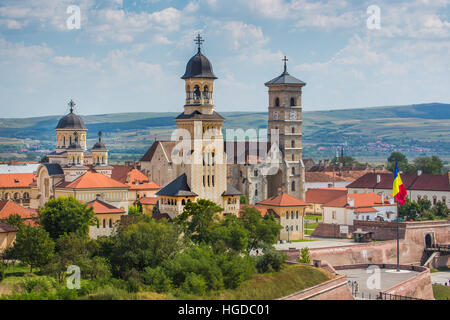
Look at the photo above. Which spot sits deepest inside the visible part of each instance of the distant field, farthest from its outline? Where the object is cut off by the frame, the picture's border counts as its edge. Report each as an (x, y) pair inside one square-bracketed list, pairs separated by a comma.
[(369, 134)]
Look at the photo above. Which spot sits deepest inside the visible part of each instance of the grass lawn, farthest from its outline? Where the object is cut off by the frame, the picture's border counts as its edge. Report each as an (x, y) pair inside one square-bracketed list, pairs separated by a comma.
[(441, 292), (15, 273), (433, 270), (309, 231), (269, 286), (313, 217)]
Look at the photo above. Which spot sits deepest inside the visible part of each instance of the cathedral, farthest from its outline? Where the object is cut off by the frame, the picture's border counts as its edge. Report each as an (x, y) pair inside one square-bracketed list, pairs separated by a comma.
[(258, 169)]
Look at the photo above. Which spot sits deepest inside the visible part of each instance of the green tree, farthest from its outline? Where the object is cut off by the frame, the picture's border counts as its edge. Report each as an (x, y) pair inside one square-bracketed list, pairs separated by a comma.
[(67, 215), (429, 165), (244, 199), (262, 231), (135, 210), (410, 209), (304, 256), (441, 210), (230, 234), (14, 220), (33, 246), (144, 244), (199, 219), (402, 161)]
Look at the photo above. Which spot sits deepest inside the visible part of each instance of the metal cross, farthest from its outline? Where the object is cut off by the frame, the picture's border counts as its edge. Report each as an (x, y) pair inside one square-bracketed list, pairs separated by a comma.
[(199, 40), (285, 59), (71, 105)]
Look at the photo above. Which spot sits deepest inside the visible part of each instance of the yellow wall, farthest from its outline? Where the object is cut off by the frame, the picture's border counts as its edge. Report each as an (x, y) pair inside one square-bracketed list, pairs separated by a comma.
[(297, 223), (6, 240)]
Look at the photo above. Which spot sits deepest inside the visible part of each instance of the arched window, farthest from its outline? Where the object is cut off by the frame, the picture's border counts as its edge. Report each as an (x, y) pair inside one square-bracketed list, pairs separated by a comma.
[(206, 92), (26, 196), (293, 129), (16, 196), (277, 102), (293, 186), (98, 224), (255, 172), (64, 141), (292, 214), (256, 192), (434, 200), (292, 102), (212, 180), (196, 93), (70, 140), (183, 202), (104, 223), (296, 214), (287, 214), (293, 158), (293, 171), (110, 223), (292, 144)]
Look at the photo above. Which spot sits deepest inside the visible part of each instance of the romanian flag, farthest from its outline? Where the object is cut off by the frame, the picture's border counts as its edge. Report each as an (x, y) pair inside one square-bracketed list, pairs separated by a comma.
[(398, 190)]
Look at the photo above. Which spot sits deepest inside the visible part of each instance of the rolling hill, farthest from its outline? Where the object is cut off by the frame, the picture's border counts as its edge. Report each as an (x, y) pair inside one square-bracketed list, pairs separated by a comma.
[(366, 133)]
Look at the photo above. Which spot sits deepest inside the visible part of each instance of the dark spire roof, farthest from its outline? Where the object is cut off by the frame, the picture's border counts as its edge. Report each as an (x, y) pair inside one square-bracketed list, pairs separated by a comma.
[(177, 188), (71, 121), (76, 144), (199, 65), (99, 145), (285, 77)]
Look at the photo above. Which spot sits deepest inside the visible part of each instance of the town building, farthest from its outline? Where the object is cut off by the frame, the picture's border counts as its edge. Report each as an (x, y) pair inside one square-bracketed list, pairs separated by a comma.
[(7, 236), (17, 187), (359, 206), (108, 218), (9, 208), (316, 198), (418, 186), (289, 211)]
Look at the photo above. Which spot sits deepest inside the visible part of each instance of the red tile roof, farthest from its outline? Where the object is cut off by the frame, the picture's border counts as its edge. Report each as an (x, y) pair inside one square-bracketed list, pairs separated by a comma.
[(360, 200), (16, 180), (120, 172), (321, 177), (261, 209), (92, 180), (412, 181), (365, 210), (9, 208), (324, 195), (5, 228), (144, 186), (101, 207), (136, 175), (283, 200), (149, 200)]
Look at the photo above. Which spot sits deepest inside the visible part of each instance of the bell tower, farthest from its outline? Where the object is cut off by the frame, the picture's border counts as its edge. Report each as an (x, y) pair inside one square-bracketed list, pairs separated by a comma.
[(285, 115), (206, 172)]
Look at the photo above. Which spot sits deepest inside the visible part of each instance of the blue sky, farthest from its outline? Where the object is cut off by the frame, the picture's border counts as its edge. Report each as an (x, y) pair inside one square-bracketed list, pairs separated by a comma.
[(129, 55)]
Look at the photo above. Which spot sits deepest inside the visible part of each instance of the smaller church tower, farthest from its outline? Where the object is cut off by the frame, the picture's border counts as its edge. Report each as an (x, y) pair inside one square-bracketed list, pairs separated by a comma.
[(67, 126), (285, 116), (99, 152)]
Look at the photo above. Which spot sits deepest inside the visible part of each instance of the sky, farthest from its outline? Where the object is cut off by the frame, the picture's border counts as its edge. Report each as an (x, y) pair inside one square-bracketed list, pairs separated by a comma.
[(128, 56)]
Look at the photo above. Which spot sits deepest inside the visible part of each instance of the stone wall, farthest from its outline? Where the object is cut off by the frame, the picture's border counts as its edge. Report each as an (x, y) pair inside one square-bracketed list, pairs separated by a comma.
[(334, 289)]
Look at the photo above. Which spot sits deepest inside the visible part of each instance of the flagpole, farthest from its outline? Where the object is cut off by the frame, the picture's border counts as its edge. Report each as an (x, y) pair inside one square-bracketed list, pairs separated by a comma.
[(398, 241)]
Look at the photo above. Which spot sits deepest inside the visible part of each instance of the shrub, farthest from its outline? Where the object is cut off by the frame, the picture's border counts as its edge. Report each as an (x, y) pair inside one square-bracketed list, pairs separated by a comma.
[(194, 284), (157, 279), (3, 267), (271, 260), (304, 256)]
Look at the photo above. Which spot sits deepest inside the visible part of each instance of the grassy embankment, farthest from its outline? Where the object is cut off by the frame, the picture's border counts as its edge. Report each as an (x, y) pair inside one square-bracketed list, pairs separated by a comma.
[(311, 226), (290, 279), (441, 292)]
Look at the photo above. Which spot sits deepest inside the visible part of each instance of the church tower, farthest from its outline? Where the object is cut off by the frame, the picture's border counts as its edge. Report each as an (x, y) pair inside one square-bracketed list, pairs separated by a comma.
[(285, 115), (206, 172), (66, 128)]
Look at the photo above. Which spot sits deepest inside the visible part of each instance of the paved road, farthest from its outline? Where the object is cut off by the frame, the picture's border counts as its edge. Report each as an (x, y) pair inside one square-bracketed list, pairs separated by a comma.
[(317, 243), (441, 277), (387, 279)]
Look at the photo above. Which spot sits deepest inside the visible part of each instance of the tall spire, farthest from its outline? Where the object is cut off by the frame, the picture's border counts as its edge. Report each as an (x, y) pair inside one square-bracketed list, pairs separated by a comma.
[(100, 134), (199, 40), (71, 105)]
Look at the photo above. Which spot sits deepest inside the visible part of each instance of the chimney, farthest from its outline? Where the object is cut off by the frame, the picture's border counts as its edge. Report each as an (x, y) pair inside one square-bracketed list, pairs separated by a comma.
[(351, 202), (419, 172), (382, 198), (378, 178)]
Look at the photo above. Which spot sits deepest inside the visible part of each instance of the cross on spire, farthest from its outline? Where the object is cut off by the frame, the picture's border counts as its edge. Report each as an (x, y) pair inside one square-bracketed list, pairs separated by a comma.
[(71, 105), (199, 40), (285, 59)]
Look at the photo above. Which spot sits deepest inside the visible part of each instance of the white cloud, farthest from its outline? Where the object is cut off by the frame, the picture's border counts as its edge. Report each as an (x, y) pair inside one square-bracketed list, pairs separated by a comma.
[(244, 35)]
